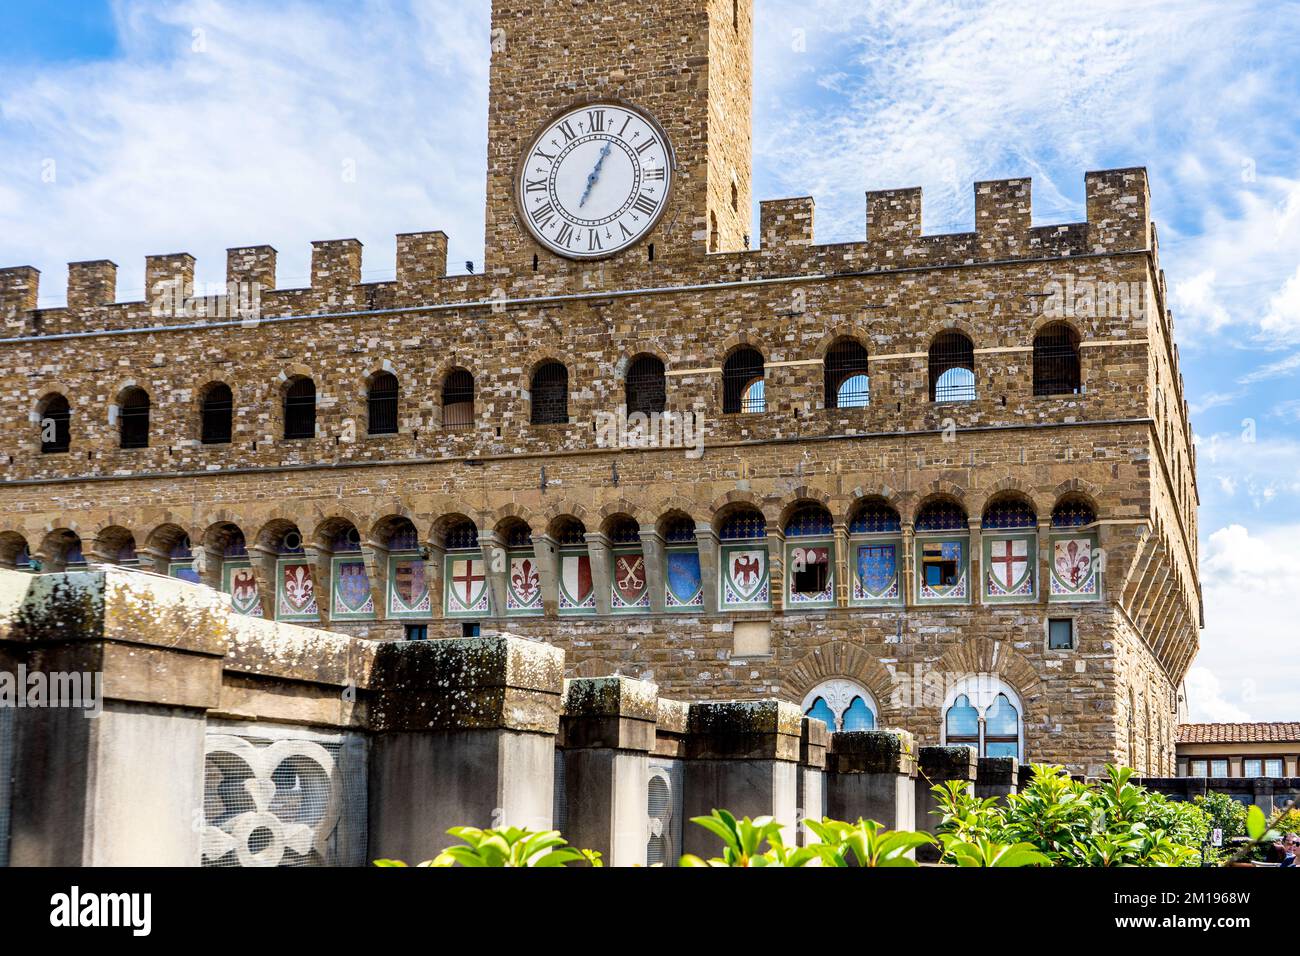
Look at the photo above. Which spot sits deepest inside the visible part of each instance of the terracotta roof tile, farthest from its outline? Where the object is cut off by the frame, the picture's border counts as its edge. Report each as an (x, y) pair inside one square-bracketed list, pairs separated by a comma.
[(1280, 732)]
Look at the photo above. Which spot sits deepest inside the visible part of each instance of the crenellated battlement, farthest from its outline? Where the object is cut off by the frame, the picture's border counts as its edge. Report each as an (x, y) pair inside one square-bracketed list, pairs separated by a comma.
[(1119, 221)]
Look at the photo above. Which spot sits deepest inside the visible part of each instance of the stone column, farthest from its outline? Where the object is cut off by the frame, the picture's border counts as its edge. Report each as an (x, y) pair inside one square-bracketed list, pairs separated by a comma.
[(263, 562), (907, 565), (708, 543), (936, 766), (120, 788), (1043, 568), (375, 558), (547, 552), (434, 569), (154, 559), (599, 554), (843, 567), (872, 776), (496, 565), (207, 563), (652, 546), (742, 756), (813, 741), (997, 776), (322, 581), (607, 730), (976, 562), (463, 734), (776, 569)]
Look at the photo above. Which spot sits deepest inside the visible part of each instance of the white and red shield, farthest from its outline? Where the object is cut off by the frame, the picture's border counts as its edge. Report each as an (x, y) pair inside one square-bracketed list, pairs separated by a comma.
[(468, 583), (297, 591), (525, 581), (576, 579), (748, 570), (1009, 562), (629, 577)]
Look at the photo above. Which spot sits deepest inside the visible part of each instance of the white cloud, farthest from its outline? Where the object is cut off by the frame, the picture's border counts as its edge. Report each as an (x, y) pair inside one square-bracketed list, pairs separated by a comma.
[(1205, 700), (1248, 667), (250, 140)]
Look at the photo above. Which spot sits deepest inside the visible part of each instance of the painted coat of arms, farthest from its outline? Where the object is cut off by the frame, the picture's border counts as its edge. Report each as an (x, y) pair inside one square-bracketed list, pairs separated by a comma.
[(746, 577), (877, 572), (524, 591), (576, 589), (467, 586), (629, 584), (410, 587), (243, 592), (297, 597), (684, 586), (1010, 568), (352, 593), (1073, 570)]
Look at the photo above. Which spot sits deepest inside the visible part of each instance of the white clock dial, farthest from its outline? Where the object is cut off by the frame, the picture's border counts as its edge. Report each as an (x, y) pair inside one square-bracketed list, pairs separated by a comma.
[(595, 181)]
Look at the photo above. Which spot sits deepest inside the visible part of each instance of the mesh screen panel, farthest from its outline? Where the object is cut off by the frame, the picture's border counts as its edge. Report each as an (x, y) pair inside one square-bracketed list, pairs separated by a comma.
[(664, 799), (283, 797), (560, 807), (8, 724)]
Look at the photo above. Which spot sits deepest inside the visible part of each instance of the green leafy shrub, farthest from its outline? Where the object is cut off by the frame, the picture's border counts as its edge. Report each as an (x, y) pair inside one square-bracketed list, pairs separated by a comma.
[(508, 846), (742, 841), (1069, 823)]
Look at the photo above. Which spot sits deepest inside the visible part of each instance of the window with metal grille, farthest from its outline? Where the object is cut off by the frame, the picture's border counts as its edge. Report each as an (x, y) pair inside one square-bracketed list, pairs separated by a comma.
[(300, 409), (952, 368), (1072, 513), (417, 632), (550, 394), (743, 390), (845, 371), (458, 400), (217, 415), (382, 403), (874, 517), (56, 431), (646, 391), (942, 515), (1056, 361), (1009, 513), (742, 525), (133, 419)]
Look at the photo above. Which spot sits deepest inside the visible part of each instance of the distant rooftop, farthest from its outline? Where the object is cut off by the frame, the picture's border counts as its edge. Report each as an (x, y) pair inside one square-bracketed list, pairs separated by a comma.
[(1280, 732)]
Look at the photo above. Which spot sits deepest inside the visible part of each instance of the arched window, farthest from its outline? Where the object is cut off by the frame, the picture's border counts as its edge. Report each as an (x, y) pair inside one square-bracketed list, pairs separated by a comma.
[(458, 400), (874, 516), (55, 422), (300, 409), (382, 404), (846, 377), (647, 392), (942, 515), (1009, 512), (133, 419), (810, 547), (217, 415), (985, 713), (1056, 361), (952, 368), (1073, 512), (842, 705), (550, 394), (743, 388)]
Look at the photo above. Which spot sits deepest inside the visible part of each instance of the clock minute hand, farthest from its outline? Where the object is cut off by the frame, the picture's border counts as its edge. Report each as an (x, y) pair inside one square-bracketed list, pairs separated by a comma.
[(595, 175)]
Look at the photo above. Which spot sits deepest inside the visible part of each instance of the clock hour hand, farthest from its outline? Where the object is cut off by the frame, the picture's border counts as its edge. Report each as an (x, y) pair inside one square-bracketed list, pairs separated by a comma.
[(595, 175)]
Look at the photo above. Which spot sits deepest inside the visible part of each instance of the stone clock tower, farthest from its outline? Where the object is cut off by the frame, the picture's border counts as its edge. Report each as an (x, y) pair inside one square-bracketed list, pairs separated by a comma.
[(568, 77)]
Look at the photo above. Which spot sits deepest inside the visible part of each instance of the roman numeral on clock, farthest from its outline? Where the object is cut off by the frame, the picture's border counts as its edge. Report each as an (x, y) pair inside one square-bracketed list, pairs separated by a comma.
[(593, 240), (645, 204), (655, 173), (565, 236), (596, 120), (647, 145), (543, 215), (567, 129), (535, 185)]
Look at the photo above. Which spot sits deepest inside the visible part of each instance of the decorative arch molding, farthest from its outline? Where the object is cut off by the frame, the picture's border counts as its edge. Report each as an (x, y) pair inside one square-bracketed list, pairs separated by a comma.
[(1008, 487), (621, 507), (686, 506), (512, 510), (950, 324), (45, 391), (566, 508), (900, 501), (841, 333), (845, 661), (729, 502), (1082, 488), (838, 695), (326, 526), (1043, 321), (982, 655), (805, 495), (289, 372), (740, 340)]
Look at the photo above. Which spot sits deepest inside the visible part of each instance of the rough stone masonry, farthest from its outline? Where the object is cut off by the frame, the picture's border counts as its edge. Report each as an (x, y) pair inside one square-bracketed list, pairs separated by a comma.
[(1029, 537)]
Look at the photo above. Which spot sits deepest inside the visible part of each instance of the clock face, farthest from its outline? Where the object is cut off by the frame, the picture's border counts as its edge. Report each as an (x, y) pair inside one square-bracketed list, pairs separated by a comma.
[(595, 181)]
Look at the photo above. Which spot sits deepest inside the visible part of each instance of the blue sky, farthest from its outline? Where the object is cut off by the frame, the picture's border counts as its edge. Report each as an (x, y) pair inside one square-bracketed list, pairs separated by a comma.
[(131, 128)]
